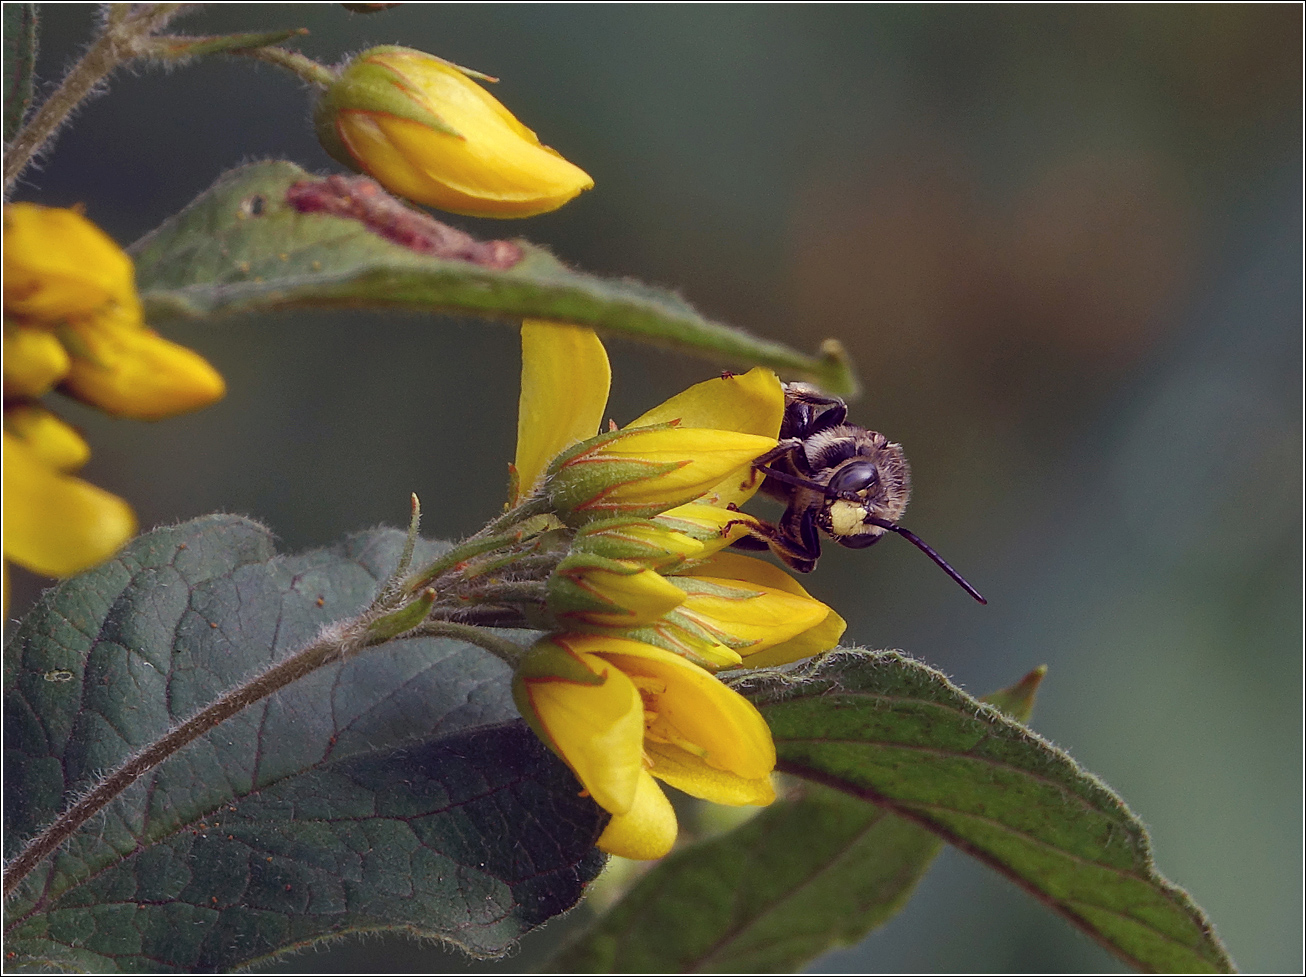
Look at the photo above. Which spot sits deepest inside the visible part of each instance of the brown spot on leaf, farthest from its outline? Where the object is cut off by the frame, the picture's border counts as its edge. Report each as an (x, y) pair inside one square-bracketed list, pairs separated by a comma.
[(362, 199)]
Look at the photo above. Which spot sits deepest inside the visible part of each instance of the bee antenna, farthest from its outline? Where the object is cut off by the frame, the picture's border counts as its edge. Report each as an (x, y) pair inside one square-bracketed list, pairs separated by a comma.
[(928, 550)]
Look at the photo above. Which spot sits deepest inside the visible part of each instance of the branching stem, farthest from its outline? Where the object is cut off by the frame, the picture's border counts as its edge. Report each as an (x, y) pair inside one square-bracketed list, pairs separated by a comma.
[(126, 31)]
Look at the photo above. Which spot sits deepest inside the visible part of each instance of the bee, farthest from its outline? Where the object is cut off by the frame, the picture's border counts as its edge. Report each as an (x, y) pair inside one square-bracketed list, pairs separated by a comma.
[(835, 478)]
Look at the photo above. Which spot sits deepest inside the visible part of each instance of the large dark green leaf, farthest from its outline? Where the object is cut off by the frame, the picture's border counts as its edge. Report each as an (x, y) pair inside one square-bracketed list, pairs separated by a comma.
[(806, 874), (20, 22), (272, 236), (815, 870), (396, 790), (894, 732)]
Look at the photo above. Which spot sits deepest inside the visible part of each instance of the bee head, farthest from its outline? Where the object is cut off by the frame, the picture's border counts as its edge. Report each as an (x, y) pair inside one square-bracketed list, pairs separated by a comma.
[(868, 488)]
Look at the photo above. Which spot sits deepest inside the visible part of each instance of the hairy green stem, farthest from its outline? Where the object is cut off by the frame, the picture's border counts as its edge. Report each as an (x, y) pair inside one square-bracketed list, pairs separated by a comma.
[(305, 67), (125, 36)]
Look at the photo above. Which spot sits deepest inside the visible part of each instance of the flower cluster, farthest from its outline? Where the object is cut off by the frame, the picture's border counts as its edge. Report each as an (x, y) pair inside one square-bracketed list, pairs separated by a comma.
[(72, 319), (646, 605)]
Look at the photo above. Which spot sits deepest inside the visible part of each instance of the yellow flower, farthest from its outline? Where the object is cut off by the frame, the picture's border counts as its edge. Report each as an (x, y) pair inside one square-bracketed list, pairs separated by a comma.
[(699, 443), (620, 713), (426, 131), (56, 525), (72, 317), (59, 267)]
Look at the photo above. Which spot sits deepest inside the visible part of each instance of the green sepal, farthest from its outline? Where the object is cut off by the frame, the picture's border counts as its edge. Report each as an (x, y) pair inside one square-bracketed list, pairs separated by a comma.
[(366, 86), (405, 619), (547, 660)]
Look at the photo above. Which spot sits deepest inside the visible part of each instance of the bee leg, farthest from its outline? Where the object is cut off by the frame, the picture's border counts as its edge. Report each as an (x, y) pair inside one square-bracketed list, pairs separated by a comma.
[(795, 541)]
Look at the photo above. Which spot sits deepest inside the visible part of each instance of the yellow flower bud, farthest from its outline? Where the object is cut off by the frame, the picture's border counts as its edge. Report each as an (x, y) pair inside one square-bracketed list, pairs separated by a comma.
[(56, 525), (642, 541), (130, 371), (51, 439), (59, 266), (645, 471), (590, 591), (426, 131), (35, 360)]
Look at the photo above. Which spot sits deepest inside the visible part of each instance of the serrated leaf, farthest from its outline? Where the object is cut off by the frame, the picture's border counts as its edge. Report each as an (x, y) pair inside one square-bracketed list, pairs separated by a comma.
[(813, 871), (895, 732), (271, 236), (395, 790), (20, 23)]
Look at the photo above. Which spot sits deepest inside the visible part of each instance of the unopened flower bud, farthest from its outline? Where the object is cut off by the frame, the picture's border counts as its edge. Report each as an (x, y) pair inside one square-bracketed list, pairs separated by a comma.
[(57, 525), (58, 266), (426, 131), (51, 439), (35, 361), (645, 471), (642, 541), (131, 371), (591, 591)]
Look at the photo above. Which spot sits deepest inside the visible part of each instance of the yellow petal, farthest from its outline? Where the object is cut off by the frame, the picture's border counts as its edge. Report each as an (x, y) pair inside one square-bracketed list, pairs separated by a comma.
[(564, 390), (715, 527), (35, 361), (702, 458), (684, 771), (647, 830), (748, 619), (597, 729), (58, 265), (135, 372), (750, 404), (696, 711), (51, 439), (56, 525), (753, 403), (786, 644)]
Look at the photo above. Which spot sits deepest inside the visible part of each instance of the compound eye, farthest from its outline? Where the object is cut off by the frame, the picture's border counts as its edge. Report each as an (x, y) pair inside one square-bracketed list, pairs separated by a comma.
[(853, 477)]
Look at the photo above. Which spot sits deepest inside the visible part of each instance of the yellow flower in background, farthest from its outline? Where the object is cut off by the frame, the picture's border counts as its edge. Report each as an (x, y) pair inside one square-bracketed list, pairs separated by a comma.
[(620, 713), (56, 525), (72, 319), (425, 130), (72, 316)]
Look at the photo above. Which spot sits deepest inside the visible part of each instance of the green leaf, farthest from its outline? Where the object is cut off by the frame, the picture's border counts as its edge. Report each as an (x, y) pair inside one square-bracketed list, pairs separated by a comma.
[(397, 790), (815, 870), (806, 874), (271, 236), (894, 732), (20, 22)]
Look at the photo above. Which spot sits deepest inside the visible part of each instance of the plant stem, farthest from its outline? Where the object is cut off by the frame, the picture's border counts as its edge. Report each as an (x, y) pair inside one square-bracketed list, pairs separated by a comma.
[(338, 647), (305, 67), (120, 41)]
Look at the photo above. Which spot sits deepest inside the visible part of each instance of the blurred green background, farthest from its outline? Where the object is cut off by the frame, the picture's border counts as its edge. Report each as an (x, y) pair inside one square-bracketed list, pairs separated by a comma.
[(1063, 246)]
